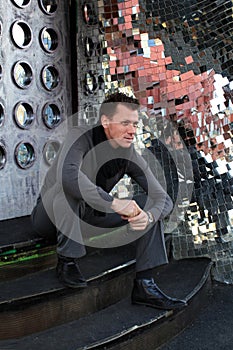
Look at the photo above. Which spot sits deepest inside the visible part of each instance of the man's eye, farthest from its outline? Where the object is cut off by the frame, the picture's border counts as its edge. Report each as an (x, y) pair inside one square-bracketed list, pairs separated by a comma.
[(125, 123)]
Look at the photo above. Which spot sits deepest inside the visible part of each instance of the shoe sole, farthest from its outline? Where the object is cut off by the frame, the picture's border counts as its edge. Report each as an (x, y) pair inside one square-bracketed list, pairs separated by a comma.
[(158, 307)]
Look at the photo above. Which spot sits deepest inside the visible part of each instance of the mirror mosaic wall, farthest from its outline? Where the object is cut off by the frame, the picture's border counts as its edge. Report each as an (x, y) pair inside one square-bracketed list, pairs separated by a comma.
[(176, 57)]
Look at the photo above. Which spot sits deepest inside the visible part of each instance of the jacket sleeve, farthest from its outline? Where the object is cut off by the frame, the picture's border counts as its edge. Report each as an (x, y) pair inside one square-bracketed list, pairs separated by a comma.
[(74, 182), (140, 172)]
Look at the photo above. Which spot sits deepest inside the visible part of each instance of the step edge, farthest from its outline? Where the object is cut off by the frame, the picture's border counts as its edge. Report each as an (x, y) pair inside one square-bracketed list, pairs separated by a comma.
[(112, 339), (202, 281), (106, 273), (169, 322), (135, 328)]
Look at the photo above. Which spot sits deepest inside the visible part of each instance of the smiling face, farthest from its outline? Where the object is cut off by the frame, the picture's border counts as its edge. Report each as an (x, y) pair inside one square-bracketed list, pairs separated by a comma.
[(120, 129)]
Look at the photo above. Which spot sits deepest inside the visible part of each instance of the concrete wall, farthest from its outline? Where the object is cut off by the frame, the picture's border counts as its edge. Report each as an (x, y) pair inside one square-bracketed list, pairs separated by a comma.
[(19, 187)]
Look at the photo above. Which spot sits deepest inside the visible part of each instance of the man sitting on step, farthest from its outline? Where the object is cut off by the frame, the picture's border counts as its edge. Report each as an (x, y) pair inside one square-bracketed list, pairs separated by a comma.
[(75, 200)]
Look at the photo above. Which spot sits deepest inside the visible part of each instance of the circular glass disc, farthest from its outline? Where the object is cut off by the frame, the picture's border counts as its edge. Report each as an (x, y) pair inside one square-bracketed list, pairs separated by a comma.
[(2, 116), (50, 151), (21, 3), (21, 34), (90, 82), (2, 157), (22, 74), (89, 14), (49, 39), (51, 115), (23, 115), (49, 6), (25, 155), (50, 77)]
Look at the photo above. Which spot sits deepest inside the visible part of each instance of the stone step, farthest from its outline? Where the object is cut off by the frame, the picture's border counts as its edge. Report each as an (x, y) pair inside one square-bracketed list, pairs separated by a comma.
[(21, 250), (16, 264), (17, 232), (120, 325), (38, 301)]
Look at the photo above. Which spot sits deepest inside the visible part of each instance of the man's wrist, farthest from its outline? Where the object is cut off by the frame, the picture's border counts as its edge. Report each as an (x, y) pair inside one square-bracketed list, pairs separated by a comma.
[(114, 203)]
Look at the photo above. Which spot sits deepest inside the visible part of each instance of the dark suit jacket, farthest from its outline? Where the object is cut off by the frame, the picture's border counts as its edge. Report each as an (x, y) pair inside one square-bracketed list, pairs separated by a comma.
[(88, 167)]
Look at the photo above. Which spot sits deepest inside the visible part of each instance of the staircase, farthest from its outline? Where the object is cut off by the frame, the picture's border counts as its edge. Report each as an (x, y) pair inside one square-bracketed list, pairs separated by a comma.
[(37, 312)]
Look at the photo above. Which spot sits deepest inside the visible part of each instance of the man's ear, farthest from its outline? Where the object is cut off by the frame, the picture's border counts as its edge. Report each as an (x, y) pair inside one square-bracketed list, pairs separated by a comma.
[(104, 121)]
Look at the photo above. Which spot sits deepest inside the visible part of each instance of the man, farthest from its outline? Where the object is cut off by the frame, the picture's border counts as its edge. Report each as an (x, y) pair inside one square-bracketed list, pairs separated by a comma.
[(75, 197)]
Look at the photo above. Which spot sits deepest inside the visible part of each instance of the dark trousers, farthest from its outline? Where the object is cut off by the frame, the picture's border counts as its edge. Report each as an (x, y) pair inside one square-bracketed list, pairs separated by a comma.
[(80, 225)]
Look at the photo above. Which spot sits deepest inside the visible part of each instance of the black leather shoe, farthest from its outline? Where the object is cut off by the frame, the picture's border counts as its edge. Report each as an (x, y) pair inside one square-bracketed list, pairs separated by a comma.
[(69, 274), (146, 292)]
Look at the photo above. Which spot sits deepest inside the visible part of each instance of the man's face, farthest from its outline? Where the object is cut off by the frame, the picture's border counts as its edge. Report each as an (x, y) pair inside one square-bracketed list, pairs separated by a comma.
[(121, 128)]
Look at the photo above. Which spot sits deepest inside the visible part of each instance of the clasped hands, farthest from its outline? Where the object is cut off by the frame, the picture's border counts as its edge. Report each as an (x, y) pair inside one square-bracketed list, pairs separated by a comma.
[(130, 210)]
